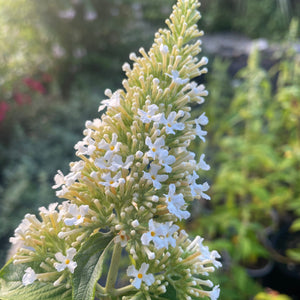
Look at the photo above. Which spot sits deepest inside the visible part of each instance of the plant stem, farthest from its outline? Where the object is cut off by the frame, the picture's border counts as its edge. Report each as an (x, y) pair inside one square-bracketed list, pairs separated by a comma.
[(123, 290), (113, 269)]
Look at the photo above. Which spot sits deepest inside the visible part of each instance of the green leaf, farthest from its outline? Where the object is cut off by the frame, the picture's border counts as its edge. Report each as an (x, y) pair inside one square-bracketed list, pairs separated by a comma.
[(170, 293), (296, 225), (294, 254), (89, 258), (11, 286)]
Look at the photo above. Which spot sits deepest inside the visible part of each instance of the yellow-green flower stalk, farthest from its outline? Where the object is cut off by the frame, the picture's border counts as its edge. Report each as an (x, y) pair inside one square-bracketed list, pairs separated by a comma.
[(134, 180)]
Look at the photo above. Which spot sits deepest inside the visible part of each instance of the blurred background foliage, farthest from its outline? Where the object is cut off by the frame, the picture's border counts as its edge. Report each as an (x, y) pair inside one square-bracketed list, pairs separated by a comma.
[(56, 59)]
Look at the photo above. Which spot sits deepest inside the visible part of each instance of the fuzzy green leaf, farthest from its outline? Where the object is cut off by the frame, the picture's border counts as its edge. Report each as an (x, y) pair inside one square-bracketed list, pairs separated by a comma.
[(11, 286), (89, 260), (170, 293)]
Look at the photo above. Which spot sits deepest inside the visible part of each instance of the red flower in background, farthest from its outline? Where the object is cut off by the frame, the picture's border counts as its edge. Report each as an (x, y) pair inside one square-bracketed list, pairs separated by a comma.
[(34, 85), (3, 109), (46, 77), (22, 98)]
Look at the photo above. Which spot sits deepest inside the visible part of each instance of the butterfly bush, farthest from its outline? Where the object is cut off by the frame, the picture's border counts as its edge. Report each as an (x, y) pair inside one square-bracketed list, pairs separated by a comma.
[(133, 182)]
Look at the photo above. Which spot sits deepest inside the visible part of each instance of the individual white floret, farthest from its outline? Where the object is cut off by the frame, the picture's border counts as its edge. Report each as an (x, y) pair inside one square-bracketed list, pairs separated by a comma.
[(171, 124), (77, 213), (200, 133), (150, 114), (140, 275), (201, 188), (202, 120), (29, 277), (155, 235), (166, 160), (170, 229), (175, 203), (85, 147), (117, 162), (121, 238), (175, 77), (154, 148), (155, 178), (114, 101), (66, 261), (111, 181), (112, 147), (202, 164)]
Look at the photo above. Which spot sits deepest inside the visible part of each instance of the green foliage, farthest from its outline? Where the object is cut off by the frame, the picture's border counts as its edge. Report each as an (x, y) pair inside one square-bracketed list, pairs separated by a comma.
[(271, 296), (254, 18), (91, 258), (11, 286), (68, 37), (254, 140)]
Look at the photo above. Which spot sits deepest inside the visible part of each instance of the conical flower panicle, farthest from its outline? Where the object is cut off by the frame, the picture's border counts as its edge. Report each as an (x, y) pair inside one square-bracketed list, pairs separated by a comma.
[(136, 176)]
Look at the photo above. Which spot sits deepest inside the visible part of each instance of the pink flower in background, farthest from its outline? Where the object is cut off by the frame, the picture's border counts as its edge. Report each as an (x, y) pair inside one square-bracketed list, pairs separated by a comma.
[(3, 109), (22, 98), (34, 85)]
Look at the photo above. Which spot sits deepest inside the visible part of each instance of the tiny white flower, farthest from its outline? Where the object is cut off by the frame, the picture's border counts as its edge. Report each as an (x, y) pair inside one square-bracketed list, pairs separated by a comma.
[(62, 192), (114, 101), (215, 293), (201, 133), (171, 124), (202, 120), (202, 164), (155, 233), (135, 223), (29, 277), (117, 162), (112, 147), (59, 179), (154, 148), (205, 254), (154, 177), (139, 154), (192, 182), (51, 209), (165, 160), (175, 203), (198, 92), (111, 181), (175, 77), (164, 49), (150, 114), (103, 163), (121, 238), (78, 214), (170, 229), (77, 166), (21, 230), (201, 188), (85, 147), (63, 210), (71, 178), (140, 275), (66, 261)]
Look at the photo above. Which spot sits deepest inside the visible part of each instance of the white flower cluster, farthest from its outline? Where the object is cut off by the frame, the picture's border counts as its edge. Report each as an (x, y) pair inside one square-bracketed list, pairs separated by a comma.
[(136, 176)]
